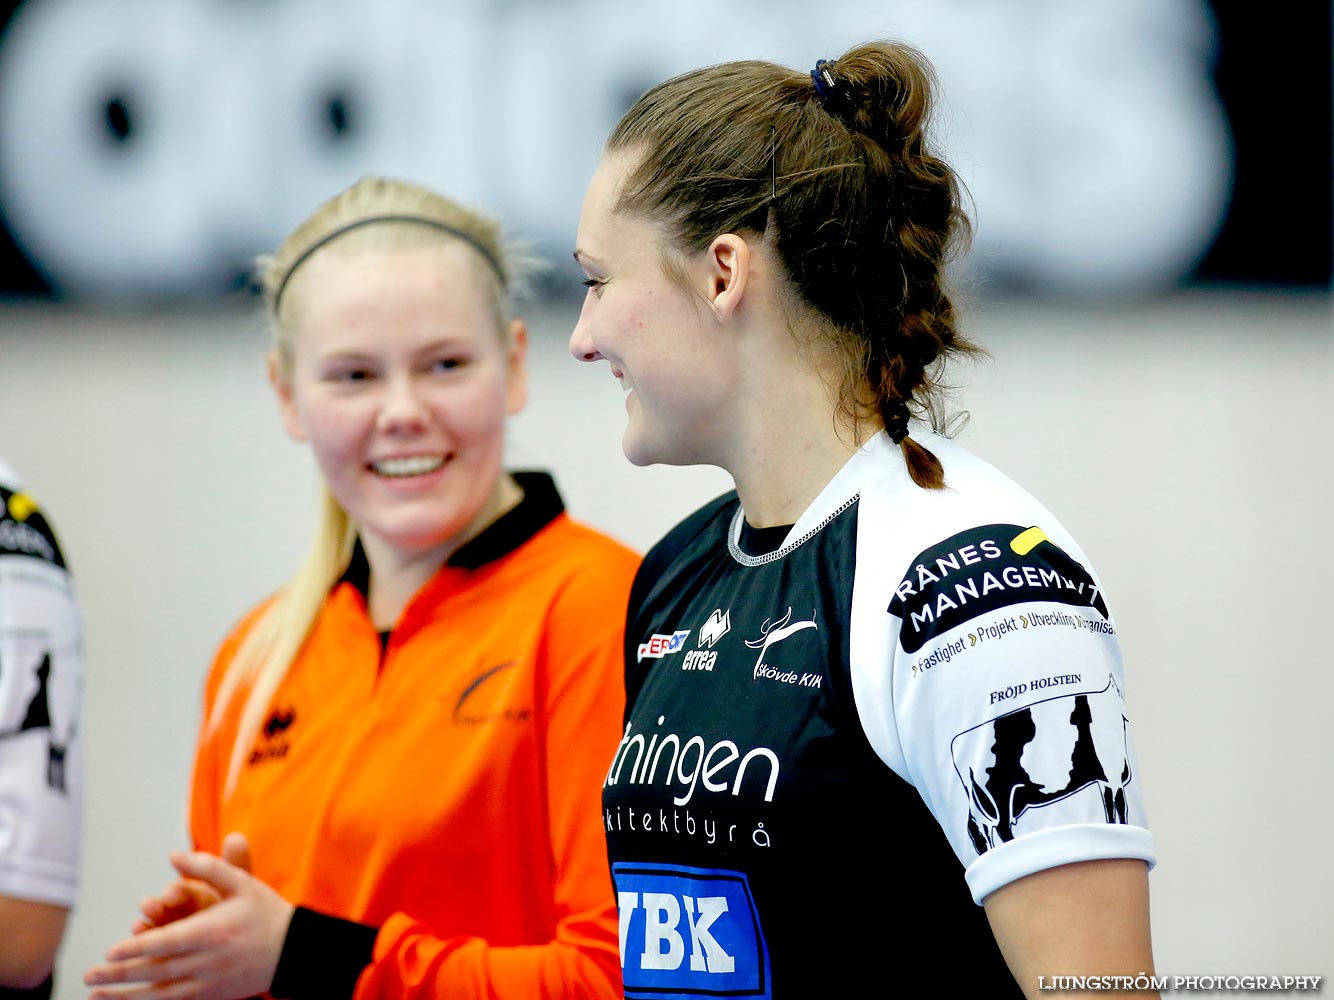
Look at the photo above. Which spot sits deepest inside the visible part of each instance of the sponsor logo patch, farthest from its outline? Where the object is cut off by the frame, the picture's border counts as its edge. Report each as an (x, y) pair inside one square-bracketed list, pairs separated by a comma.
[(491, 705), (689, 932), (982, 570), (773, 632), (273, 742), (718, 625), (676, 758), (1058, 760), (659, 645), (24, 531)]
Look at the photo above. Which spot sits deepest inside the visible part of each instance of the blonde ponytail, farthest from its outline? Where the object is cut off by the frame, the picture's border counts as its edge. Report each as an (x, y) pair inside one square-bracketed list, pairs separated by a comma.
[(275, 639)]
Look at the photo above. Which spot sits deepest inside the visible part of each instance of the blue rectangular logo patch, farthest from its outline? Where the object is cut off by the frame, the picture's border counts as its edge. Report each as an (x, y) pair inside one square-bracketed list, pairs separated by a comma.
[(689, 933)]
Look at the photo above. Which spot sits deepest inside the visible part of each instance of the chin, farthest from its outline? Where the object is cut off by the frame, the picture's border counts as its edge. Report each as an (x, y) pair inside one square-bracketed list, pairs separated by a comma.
[(639, 460), (678, 442), (640, 452), (417, 538)]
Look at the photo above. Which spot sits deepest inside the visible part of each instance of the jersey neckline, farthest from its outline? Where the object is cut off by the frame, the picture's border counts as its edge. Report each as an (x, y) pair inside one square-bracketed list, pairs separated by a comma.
[(541, 504)]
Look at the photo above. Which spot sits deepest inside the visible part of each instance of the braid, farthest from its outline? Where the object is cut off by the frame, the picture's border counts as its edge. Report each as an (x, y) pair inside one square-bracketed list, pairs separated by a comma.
[(887, 112)]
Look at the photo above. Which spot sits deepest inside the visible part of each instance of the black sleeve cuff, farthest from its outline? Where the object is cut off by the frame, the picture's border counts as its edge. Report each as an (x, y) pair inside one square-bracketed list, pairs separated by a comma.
[(322, 957), (41, 991)]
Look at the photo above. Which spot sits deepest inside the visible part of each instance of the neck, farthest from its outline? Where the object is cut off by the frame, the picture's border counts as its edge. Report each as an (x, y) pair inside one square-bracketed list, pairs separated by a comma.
[(780, 432), (791, 437), (787, 465), (397, 574)]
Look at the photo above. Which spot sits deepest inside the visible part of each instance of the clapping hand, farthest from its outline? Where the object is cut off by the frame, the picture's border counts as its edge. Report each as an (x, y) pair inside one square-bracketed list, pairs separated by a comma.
[(215, 934)]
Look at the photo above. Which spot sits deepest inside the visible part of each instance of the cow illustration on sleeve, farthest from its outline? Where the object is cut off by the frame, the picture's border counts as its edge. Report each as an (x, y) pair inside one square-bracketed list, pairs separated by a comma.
[(37, 717), (1070, 750)]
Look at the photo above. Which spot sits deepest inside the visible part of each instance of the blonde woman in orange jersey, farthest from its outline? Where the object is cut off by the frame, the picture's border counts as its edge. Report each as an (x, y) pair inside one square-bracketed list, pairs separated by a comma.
[(403, 749)]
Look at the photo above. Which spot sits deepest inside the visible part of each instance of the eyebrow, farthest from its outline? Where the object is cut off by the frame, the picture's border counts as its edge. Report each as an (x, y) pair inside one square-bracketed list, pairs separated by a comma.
[(444, 342), (582, 258)]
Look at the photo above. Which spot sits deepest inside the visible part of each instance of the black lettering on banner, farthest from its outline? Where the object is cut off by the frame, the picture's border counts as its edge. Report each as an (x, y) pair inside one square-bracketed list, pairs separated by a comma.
[(981, 570)]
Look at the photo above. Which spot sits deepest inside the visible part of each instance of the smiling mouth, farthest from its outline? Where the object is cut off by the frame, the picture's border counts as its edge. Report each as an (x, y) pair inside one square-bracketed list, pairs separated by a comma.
[(401, 468)]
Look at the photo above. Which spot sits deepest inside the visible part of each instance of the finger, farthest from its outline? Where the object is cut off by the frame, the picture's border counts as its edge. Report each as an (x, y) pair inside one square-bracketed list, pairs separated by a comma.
[(139, 926), (188, 976), (219, 874), (137, 970), (155, 943), (161, 916), (188, 895), (178, 990), (178, 901), (177, 895), (174, 895), (236, 850)]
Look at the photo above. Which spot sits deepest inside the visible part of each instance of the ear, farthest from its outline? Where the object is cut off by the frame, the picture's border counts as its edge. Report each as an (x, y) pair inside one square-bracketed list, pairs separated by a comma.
[(282, 388), (516, 361), (727, 268)]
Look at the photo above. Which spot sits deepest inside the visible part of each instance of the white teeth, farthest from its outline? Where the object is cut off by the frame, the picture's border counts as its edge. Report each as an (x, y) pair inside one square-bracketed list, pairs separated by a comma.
[(416, 466)]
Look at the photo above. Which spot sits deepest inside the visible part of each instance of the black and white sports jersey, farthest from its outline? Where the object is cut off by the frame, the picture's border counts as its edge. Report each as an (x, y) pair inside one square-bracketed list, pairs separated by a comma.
[(41, 685), (834, 751)]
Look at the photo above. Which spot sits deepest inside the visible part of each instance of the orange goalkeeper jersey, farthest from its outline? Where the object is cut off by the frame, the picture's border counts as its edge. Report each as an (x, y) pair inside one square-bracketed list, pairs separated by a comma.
[(442, 785)]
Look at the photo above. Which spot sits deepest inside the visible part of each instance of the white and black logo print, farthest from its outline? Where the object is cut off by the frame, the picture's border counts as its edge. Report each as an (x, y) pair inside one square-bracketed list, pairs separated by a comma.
[(1059, 750)]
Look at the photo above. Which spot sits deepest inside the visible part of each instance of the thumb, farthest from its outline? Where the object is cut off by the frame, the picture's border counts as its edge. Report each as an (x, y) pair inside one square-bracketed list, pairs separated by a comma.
[(236, 851)]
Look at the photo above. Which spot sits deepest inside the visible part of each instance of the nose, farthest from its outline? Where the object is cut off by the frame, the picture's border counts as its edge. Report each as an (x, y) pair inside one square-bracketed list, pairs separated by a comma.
[(581, 343), (402, 408)]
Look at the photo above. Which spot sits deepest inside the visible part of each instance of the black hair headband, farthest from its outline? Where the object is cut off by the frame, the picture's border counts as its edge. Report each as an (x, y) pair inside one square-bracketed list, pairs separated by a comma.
[(487, 255)]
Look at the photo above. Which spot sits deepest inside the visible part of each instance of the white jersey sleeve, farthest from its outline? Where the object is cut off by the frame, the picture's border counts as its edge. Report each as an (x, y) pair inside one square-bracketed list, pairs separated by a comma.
[(41, 689), (989, 675)]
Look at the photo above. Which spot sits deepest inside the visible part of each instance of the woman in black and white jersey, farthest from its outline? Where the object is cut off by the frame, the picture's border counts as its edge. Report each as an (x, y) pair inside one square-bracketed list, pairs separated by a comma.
[(876, 731), (41, 751)]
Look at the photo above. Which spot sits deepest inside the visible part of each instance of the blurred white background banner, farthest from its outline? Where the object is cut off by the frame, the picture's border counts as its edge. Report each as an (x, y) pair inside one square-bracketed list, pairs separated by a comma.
[(150, 148)]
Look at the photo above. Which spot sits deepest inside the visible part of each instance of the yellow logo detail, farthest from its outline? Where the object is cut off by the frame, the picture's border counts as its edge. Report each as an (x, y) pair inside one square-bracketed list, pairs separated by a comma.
[(1026, 541), (21, 506)]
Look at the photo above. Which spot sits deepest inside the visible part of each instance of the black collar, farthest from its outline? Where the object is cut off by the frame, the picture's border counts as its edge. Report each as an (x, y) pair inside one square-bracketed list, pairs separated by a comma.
[(762, 541), (541, 504)]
